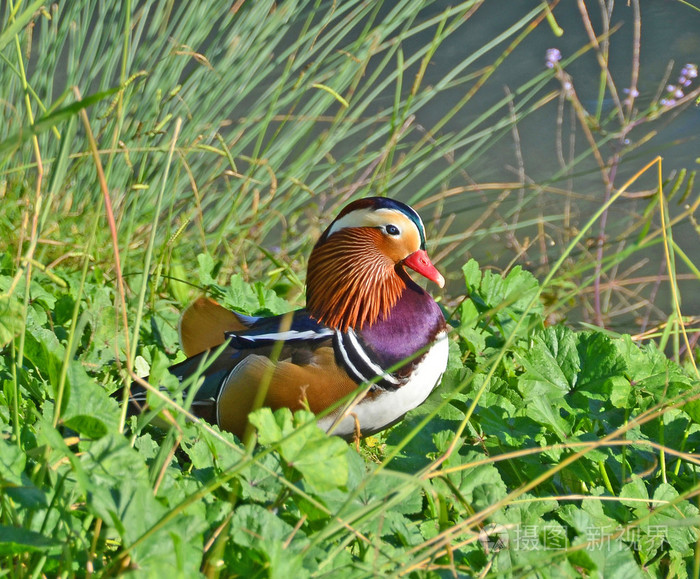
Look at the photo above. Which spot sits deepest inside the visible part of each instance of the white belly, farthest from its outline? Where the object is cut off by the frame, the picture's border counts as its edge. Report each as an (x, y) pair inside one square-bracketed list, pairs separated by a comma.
[(390, 406)]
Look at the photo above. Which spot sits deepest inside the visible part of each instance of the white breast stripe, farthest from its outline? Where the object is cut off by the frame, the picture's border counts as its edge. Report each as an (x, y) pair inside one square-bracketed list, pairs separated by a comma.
[(346, 358), (360, 351)]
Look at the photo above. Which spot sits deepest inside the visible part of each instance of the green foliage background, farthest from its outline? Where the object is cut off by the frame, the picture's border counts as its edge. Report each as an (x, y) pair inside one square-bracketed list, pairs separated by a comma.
[(205, 146)]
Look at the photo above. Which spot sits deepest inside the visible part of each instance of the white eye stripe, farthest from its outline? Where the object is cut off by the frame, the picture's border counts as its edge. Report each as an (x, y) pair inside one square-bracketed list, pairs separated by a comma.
[(381, 218)]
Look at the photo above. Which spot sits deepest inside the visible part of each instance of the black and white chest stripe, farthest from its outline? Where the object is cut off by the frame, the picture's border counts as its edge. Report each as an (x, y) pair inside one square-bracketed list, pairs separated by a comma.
[(359, 364)]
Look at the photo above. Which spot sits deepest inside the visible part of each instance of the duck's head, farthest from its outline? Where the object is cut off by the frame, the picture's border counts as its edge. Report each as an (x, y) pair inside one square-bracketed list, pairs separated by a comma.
[(356, 269)]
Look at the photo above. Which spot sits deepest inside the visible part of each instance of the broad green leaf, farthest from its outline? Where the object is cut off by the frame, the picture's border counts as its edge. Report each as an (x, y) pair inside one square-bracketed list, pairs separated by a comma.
[(635, 490), (600, 363), (86, 407), (676, 522), (321, 459), (402, 528), (542, 410), (551, 364), (360, 475), (653, 377), (494, 306), (241, 295), (18, 541), (271, 544), (612, 558), (12, 463), (253, 298), (14, 482), (271, 427), (206, 269), (469, 330), (504, 299), (163, 322), (514, 292), (10, 319), (693, 410), (620, 390), (480, 485), (528, 511), (604, 553), (120, 492), (261, 481), (472, 275)]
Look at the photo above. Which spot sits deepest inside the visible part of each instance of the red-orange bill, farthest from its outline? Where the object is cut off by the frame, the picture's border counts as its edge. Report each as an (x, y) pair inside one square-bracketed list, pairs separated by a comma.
[(420, 263)]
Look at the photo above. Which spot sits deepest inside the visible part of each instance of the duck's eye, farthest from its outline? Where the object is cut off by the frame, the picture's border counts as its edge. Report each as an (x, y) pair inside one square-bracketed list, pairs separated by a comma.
[(392, 230)]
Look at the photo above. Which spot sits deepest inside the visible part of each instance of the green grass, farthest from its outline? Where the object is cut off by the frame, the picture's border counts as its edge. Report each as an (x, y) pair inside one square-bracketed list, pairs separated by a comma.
[(153, 151)]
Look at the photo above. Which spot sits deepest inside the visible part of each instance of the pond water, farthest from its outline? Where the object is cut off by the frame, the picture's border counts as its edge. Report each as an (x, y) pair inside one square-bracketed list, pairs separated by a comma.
[(670, 35)]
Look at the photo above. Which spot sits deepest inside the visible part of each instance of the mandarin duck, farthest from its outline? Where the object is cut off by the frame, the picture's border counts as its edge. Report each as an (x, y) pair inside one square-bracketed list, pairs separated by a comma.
[(366, 322)]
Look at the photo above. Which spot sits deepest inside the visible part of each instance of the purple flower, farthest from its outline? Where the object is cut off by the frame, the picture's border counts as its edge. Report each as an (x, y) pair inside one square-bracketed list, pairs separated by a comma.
[(633, 92), (552, 56), (675, 91), (690, 71)]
